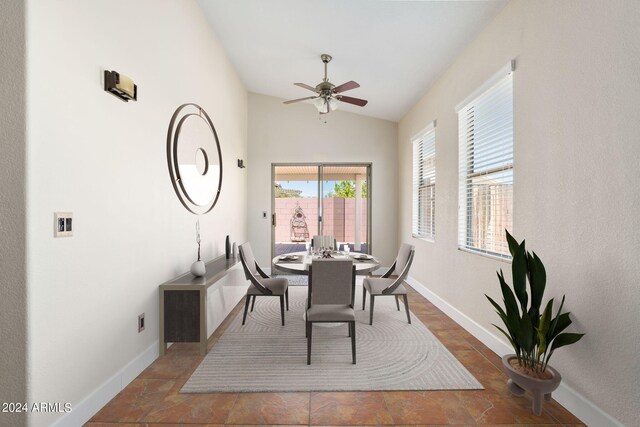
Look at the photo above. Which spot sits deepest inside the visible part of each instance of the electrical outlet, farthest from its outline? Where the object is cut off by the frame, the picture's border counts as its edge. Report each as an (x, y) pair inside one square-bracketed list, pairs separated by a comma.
[(141, 323), (62, 224)]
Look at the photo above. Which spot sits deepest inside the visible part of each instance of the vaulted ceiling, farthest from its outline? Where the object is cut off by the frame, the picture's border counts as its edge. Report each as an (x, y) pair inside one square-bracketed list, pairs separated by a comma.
[(395, 49)]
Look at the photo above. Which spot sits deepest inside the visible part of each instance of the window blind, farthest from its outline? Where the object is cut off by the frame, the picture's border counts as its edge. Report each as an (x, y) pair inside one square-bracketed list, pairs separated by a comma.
[(486, 170), (424, 185)]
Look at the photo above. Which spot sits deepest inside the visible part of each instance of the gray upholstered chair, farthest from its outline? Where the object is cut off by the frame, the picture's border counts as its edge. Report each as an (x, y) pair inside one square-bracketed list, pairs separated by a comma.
[(384, 285), (330, 297), (261, 283), (323, 241)]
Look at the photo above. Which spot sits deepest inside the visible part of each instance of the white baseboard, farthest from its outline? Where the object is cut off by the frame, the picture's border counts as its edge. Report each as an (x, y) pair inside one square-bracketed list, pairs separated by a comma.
[(91, 404), (573, 401)]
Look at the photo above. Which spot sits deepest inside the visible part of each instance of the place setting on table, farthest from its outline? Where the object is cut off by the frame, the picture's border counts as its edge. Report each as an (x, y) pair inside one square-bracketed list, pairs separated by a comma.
[(299, 262)]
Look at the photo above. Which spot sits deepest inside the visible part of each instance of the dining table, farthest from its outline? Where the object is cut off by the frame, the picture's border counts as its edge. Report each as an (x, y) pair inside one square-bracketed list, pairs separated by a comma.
[(299, 262)]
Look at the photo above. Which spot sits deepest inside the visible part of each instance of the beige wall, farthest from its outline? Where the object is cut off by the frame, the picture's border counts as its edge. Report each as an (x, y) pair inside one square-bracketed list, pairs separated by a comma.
[(13, 294), (292, 133), (576, 175), (105, 160)]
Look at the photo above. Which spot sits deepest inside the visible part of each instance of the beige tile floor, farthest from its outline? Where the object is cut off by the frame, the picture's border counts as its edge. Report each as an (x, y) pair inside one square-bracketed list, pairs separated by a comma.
[(153, 399)]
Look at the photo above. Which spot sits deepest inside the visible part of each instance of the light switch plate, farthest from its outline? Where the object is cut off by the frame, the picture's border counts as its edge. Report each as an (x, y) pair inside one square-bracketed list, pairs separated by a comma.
[(63, 224)]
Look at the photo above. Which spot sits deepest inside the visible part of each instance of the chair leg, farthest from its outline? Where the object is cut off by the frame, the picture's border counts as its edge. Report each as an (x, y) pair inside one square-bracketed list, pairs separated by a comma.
[(253, 303), (286, 294), (282, 308), (397, 303), (364, 296), (246, 308), (406, 307), (352, 328), (309, 331), (371, 297)]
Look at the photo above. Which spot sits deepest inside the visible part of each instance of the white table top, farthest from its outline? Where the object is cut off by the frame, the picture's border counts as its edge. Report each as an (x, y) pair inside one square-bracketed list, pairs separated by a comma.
[(301, 265)]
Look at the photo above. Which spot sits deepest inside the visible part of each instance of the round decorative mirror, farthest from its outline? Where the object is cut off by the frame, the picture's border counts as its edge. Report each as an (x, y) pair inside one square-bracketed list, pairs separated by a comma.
[(194, 158)]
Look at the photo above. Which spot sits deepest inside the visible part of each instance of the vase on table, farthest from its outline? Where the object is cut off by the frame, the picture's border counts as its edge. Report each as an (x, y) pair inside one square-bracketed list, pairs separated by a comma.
[(198, 268)]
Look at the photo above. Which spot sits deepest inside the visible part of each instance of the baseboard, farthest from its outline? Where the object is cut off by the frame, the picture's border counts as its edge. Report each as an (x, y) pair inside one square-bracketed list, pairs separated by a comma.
[(90, 405), (573, 401)]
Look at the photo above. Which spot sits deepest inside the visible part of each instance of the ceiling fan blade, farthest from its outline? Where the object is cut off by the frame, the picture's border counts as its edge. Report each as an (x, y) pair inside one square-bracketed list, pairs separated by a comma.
[(355, 101), (299, 99), (345, 87), (306, 86)]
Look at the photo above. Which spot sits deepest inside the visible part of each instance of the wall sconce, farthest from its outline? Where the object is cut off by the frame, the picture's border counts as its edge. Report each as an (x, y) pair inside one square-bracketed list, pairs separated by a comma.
[(241, 164), (120, 86)]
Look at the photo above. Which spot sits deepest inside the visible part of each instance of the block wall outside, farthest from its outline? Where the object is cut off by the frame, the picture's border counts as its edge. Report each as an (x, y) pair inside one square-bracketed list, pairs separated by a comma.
[(339, 217)]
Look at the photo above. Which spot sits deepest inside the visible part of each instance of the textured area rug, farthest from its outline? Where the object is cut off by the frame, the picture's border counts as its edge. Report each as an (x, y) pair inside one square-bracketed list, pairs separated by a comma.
[(265, 356), (295, 280)]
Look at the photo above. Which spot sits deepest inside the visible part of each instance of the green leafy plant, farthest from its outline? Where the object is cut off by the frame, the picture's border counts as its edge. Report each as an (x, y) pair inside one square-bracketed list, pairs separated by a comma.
[(534, 335), (347, 189)]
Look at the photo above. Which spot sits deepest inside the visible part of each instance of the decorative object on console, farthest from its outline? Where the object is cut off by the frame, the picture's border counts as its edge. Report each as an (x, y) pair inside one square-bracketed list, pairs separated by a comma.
[(194, 158), (227, 247), (120, 86), (534, 335), (198, 268)]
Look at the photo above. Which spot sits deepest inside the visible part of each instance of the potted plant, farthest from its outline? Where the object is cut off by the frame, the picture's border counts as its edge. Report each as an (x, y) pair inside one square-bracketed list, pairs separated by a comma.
[(533, 334)]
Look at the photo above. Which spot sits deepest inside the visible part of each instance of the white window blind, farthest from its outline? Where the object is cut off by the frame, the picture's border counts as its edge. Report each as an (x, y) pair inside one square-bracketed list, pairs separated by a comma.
[(424, 185), (486, 170)]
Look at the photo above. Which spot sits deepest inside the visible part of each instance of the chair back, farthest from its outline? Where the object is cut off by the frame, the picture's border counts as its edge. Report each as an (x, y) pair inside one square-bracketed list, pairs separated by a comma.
[(403, 258), (250, 267), (331, 281), (248, 260), (323, 242)]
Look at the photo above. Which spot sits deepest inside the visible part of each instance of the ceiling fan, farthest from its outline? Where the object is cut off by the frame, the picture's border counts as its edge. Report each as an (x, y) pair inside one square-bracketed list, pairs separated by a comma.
[(329, 94)]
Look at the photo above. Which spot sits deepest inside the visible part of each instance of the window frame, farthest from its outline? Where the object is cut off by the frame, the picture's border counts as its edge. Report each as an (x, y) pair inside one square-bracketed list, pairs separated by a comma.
[(493, 166), (427, 172)]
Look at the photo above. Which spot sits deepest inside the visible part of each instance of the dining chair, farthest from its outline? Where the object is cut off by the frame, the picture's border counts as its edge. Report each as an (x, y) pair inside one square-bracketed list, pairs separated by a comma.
[(261, 283), (330, 297), (323, 241), (384, 285)]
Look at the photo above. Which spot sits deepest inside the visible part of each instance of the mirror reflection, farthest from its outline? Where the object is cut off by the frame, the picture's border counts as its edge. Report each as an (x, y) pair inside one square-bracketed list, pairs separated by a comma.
[(198, 162), (194, 158)]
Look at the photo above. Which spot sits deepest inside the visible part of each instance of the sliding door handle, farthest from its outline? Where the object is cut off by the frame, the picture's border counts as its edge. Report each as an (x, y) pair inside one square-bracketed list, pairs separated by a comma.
[(273, 219)]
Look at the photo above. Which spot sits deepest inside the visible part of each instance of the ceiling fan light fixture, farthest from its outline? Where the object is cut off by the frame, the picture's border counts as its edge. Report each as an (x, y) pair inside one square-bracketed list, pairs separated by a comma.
[(333, 104), (319, 103), (328, 96)]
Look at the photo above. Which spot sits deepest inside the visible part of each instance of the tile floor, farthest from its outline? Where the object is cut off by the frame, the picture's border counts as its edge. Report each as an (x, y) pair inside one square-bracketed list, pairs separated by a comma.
[(153, 399)]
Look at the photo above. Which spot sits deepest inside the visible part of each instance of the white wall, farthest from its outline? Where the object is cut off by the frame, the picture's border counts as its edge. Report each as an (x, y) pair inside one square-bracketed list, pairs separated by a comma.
[(104, 160), (292, 133), (576, 175), (13, 317)]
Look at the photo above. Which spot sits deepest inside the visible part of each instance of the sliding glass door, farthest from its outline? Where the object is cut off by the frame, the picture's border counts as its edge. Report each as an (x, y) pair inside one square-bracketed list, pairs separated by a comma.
[(320, 199)]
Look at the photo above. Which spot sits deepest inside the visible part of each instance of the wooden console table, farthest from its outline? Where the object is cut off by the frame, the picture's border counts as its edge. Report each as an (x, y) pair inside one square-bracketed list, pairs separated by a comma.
[(192, 307)]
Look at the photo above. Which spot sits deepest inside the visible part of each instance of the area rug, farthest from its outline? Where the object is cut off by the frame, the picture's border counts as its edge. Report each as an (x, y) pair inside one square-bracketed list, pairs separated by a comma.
[(295, 279), (264, 356)]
